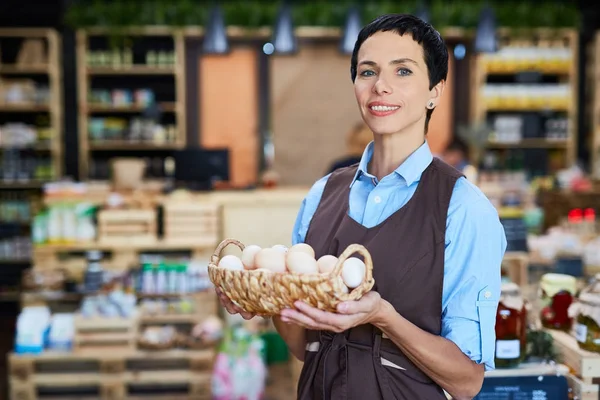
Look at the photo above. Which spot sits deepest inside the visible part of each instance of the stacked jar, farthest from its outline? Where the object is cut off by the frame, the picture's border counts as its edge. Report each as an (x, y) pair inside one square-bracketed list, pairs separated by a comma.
[(511, 327), (586, 312), (556, 293)]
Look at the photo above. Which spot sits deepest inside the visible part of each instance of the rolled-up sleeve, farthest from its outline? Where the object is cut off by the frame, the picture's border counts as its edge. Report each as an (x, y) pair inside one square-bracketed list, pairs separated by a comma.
[(475, 246)]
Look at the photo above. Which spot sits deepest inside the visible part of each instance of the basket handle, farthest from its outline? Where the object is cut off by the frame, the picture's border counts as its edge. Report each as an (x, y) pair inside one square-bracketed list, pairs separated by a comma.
[(214, 259), (356, 248)]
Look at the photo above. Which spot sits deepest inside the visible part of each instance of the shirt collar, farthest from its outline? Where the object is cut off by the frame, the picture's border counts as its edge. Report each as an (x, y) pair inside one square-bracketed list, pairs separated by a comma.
[(410, 170)]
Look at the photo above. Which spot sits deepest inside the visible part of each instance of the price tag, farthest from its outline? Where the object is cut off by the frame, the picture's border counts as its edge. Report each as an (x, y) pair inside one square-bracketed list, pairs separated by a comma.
[(545, 387)]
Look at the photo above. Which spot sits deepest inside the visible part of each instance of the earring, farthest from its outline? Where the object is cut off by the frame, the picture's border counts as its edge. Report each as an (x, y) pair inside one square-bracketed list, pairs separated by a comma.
[(431, 104)]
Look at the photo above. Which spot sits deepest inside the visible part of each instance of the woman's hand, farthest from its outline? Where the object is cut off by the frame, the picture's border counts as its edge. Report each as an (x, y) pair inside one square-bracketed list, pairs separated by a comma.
[(367, 310), (231, 307)]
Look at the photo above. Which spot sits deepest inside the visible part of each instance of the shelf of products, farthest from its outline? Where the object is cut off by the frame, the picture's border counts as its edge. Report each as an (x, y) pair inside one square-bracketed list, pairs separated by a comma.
[(593, 71), (31, 111), (526, 96), (131, 95)]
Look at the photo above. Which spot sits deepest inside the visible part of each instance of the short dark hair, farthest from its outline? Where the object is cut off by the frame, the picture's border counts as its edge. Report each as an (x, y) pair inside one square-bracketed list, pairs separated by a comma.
[(435, 52)]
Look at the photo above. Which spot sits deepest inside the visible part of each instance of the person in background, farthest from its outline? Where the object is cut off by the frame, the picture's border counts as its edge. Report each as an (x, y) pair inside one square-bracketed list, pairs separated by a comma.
[(428, 324), (357, 139), (456, 154)]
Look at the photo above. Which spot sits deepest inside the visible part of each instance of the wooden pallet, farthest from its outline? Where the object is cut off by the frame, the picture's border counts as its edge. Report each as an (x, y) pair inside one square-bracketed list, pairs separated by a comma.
[(102, 333), (107, 376), (186, 220), (584, 364), (133, 226)]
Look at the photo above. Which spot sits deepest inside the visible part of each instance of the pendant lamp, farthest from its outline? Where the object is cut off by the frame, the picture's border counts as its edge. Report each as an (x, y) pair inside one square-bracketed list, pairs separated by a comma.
[(215, 36), (422, 12), (486, 40), (284, 39), (351, 30)]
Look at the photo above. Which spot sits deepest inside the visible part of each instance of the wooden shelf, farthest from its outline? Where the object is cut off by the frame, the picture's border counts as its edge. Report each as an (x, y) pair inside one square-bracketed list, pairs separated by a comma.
[(133, 70), (117, 145), (482, 66), (86, 74), (530, 144), (22, 185), (24, 108), (95, 108), (171, 319), (159, 245), (14, 69)]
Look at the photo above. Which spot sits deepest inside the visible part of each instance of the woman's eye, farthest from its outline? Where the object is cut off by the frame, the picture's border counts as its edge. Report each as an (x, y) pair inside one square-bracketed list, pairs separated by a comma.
[(404, 72), (367, 73)]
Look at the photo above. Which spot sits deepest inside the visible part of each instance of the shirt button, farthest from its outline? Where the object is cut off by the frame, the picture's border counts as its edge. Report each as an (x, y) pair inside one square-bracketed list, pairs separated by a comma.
[(377, 199), (487, 294)]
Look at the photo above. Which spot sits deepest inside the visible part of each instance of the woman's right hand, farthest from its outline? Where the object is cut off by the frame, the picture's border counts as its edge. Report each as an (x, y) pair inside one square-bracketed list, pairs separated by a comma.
[(231, 307)]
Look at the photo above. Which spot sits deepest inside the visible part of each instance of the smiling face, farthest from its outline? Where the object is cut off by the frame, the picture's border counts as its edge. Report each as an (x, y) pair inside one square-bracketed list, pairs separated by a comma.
[(392, 84)]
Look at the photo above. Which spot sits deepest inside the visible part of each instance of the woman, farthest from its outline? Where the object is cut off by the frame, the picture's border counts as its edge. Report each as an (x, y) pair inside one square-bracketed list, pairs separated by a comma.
[(436, 242)]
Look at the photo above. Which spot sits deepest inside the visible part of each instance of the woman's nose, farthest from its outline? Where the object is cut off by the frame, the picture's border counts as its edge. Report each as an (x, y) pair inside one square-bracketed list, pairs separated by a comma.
[(382, 87)]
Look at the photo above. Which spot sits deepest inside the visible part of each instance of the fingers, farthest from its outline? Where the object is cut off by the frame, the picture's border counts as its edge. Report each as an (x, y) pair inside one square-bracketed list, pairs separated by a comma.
[(231, 307), (365, 305)]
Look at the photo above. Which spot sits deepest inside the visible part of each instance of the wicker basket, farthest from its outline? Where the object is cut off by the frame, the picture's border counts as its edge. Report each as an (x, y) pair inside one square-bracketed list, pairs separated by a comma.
[(267, 293)]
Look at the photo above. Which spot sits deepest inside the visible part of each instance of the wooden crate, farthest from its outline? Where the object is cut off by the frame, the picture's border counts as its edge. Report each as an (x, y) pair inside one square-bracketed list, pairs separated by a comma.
[(133, 226), (516, 264), (584, 364), (112, 375), (185, 221), (103, 333), (581, 390)]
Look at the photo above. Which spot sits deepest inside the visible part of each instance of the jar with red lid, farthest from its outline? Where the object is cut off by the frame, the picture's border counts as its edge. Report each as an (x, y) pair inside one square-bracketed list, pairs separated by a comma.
[(511, 327), (556, 293)]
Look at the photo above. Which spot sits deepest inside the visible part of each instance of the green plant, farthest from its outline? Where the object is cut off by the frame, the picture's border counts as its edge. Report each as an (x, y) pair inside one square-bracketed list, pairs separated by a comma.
[(257, 13)]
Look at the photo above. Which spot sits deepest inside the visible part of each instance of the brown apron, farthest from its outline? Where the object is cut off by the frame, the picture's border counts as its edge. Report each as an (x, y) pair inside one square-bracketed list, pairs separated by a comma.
[(408, 259)]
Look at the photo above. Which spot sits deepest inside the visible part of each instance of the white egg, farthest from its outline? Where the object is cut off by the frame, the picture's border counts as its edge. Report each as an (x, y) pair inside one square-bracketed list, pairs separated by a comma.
[(271, 259), (327, 263), (231, 262), (303, 248), (353, 272), (281, 248), (248, 256), (301, 263)]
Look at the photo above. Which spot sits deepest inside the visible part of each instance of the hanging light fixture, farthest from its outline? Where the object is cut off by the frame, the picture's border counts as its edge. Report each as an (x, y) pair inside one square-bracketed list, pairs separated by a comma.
[(284, 39), (486, 40), (215, 36), (422, 12), (351, 30)]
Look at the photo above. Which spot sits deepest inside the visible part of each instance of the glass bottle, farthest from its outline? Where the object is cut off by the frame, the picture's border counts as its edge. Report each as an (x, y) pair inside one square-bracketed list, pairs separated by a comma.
[(557, 292), (511, 327)]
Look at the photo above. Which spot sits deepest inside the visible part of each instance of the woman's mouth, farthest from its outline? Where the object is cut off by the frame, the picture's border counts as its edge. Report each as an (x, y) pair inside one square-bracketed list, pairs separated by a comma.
[(382, 110)]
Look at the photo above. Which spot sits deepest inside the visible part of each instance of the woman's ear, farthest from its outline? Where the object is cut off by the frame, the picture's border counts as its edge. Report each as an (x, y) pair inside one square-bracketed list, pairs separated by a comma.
[(435, 94)]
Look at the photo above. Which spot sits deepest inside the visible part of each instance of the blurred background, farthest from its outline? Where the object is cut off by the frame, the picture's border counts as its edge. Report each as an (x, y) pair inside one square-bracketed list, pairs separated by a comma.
[(136, 135)]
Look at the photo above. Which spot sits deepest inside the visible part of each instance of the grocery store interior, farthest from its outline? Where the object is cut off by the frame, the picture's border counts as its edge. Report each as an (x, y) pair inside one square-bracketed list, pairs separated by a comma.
[(137, 136)]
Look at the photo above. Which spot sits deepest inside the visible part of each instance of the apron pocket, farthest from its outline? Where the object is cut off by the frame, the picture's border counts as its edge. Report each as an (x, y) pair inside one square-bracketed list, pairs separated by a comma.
[(399, 366)]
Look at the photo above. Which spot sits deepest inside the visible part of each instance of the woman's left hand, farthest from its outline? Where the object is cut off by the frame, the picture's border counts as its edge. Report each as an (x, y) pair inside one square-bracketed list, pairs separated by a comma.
[(350, 314)]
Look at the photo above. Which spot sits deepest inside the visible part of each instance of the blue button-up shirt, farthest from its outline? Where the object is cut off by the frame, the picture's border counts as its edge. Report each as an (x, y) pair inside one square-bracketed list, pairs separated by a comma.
[(475, 245)]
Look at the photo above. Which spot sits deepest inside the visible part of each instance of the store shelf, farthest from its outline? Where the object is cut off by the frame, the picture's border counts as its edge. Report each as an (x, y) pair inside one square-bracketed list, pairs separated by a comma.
[(130, 246), (146, 77), (13, 69), (133, 70), (24, 108), (531, 144), (559, 48), (22, 185), (171, 318), (116, 145), (96, 108)]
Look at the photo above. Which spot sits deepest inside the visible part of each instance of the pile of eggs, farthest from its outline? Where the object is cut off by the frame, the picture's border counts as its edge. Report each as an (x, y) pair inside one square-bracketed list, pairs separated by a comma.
[(299, 259)]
